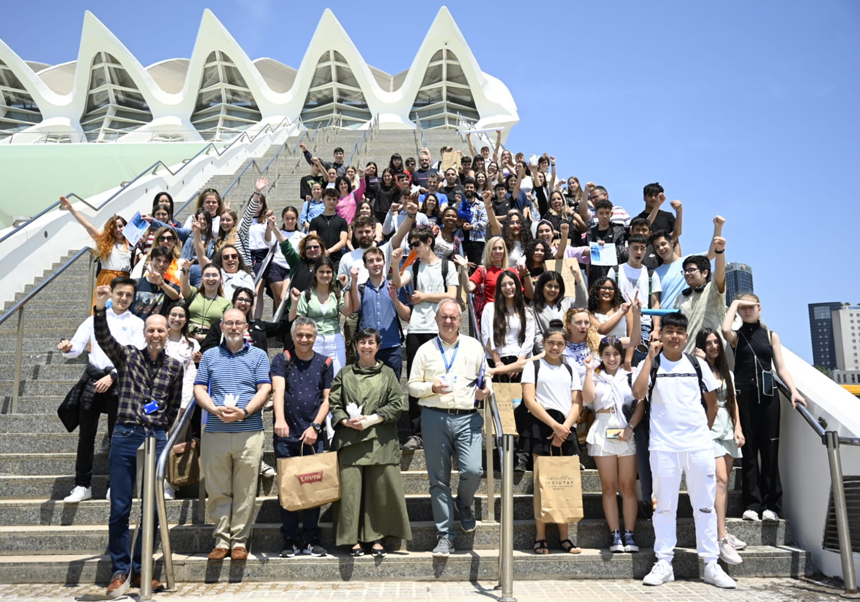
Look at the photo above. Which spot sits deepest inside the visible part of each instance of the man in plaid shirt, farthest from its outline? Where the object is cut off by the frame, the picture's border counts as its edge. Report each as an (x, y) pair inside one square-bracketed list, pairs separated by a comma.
[(150, 393)]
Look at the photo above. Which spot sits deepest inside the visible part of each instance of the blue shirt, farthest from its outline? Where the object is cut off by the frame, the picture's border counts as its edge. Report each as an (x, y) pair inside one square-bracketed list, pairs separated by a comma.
[(236, 374), (440, 196), (377, 311), (303, 393)]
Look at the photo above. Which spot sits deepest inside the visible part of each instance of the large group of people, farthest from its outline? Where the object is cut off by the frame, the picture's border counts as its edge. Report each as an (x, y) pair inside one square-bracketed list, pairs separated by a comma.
[(640, 363)]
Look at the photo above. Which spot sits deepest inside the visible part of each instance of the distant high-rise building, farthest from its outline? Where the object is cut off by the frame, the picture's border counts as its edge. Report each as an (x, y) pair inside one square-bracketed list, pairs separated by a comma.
[(846, 332), (739, 279), (821, 332)]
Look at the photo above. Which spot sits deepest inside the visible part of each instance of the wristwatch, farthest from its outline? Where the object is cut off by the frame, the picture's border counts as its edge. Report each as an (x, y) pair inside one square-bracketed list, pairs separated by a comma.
[(113, 375), (317, 427), (246, 413)]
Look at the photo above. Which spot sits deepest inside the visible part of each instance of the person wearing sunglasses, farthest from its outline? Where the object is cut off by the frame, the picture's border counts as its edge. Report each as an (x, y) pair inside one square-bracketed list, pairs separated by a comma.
[(153, 290)]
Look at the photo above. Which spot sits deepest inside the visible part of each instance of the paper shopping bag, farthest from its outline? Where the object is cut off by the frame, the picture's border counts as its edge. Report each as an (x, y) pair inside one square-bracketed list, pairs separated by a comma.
[(557, 489), (308, 481)]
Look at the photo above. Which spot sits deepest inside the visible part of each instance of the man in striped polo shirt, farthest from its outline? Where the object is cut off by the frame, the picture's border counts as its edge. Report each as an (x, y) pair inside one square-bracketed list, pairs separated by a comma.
[(232, 384)]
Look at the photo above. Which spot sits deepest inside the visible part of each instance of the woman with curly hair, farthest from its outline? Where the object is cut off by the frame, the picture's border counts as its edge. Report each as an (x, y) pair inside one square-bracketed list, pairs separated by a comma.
[(515, 231), (609, 313), (537, 254), (111, 248)]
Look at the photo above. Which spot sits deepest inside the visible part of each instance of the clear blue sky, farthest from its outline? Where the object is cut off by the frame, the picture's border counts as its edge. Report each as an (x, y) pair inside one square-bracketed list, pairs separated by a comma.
[(747, 109)]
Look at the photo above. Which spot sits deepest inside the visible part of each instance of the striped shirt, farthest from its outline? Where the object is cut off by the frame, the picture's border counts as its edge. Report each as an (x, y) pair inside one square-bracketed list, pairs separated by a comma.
[(236, 375), (141, 380)]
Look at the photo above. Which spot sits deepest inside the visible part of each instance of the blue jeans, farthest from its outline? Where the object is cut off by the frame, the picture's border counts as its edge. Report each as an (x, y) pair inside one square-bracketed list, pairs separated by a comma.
[(393, 358), (446, 434), (309, 518), (123, 470)]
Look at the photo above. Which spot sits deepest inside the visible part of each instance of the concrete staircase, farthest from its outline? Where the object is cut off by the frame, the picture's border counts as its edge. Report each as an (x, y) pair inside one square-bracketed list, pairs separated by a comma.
[(44, 540)]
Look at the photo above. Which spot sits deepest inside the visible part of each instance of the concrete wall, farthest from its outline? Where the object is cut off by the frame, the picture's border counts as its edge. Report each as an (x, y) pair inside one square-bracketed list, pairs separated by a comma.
[(34, 249), (804, 466), (33, 177)]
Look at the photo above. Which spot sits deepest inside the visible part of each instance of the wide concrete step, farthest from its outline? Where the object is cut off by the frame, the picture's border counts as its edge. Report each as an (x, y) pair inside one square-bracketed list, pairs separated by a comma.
[(267, 538), (43, 372), (46, 404), (474, 565), (32, 343), (46, 358), (414, 483)]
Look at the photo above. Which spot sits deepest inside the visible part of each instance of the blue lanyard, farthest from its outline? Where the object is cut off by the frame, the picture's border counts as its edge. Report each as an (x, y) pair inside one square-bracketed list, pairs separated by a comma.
[(448, 365)]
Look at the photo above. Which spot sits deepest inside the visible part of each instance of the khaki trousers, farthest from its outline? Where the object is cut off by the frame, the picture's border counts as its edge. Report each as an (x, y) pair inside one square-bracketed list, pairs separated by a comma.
[(231, 464)]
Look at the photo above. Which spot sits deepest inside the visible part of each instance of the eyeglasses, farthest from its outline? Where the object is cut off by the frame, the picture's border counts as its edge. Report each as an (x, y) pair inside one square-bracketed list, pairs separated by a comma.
[(229, 257), (166, 238), (414, 244), (231, 323), (243, 300), (312, 248), (691, 270), (611, 289), (449, 318)]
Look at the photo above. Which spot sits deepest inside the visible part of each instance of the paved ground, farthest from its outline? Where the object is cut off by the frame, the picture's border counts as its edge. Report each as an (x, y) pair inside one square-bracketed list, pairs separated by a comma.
[(758, 590)]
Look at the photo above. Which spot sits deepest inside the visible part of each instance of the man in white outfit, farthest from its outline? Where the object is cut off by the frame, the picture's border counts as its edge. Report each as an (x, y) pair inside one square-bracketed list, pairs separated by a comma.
[(681, 443)]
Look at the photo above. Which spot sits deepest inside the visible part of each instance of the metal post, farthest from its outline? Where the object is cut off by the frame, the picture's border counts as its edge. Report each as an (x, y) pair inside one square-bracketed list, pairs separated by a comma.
[(831, 439), (148, 518), (488, 445), (16, 383), (167, 552), (92, 284), (506, 564)]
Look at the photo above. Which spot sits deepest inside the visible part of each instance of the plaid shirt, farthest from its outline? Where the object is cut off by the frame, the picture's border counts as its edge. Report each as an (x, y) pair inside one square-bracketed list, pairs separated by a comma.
[(480, 220), (141, 380)]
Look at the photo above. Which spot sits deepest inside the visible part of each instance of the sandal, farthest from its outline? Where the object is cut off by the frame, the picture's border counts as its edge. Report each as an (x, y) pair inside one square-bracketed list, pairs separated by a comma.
[(567, 546), (357, 551), (540, 547), (378, 552)]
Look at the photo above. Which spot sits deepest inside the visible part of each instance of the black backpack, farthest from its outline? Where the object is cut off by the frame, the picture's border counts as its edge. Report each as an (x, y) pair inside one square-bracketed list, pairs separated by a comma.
[(655, 365)]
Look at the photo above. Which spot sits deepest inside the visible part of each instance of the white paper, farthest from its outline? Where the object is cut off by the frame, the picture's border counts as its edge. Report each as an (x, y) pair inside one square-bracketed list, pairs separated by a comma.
[(135, 229), (353, 411), (230, 400), (603, 254)]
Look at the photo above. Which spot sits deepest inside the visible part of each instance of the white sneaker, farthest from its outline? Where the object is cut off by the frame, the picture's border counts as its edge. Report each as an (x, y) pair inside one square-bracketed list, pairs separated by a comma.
[(79, 494), (107, 495), (267, 470), (715, 575), (728, 552), (736, 543), (661, 573), (770, 516), (750, 515), (169, 491)]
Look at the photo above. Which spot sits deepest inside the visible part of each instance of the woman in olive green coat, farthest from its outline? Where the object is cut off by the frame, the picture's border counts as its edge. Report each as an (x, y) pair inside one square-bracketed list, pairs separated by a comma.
[(372, 505)]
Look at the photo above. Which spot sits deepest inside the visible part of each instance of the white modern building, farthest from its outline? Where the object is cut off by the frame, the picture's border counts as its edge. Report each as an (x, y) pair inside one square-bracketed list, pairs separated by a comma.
[(106, 95), (846, 337)]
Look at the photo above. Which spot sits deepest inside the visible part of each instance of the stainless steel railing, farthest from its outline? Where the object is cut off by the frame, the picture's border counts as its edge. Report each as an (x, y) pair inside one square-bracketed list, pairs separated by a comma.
[(505, 445), (152, 169), (831, 440)]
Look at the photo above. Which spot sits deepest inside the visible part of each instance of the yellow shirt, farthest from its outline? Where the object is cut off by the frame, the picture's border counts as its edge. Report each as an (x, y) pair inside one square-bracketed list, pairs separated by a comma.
[(429, 367)]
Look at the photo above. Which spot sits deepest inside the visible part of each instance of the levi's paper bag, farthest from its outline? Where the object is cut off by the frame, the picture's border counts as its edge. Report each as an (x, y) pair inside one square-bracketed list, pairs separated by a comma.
[(557, 489), (308, 481)]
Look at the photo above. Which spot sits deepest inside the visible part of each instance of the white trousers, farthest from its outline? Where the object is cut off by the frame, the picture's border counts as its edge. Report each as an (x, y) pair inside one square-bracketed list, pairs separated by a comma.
[(700, 469)]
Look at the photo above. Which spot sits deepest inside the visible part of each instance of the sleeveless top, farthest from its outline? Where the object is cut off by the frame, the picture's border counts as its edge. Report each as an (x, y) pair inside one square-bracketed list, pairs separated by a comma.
[(752, 343)]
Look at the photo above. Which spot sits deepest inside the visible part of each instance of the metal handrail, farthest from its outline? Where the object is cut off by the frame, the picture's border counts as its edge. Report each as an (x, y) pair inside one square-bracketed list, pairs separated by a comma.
[(152, 169), (421, 132), (359, 144), (505, 444), (19, 307), (831, 440), (160, 469)]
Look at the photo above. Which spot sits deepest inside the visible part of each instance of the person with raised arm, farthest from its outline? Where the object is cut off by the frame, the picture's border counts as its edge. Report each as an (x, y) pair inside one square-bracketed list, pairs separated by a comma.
[(95, 389), (671, 270), (149, 397), (112, 248), (758, 352), (704, 299)]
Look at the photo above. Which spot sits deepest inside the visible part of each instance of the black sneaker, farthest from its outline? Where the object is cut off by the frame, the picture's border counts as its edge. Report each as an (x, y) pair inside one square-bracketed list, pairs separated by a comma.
[(414, 443), (314, 549), (291, 549)]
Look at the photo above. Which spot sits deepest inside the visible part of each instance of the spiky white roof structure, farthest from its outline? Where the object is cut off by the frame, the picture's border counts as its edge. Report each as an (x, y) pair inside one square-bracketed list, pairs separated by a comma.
[(106, 95)]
